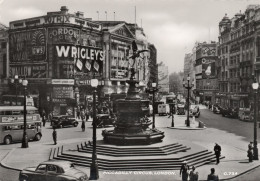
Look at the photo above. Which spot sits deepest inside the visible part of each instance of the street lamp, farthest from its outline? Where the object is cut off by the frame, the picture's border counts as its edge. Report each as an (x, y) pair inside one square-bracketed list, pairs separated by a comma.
[(25, 137), (16, 80), (94, 175), (255, 86), (153, 90), (188, 87)]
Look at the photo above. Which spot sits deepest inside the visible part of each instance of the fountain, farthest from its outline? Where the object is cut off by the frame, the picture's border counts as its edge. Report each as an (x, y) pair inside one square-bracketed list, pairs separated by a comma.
[(132, 125)]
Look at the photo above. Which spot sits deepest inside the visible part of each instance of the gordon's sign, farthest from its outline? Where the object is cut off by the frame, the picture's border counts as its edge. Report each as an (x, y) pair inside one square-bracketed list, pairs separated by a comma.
[(80, 52)]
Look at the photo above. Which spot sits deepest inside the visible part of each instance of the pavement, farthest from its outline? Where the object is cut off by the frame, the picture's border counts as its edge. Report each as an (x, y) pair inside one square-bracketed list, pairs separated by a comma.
[(234, 148)]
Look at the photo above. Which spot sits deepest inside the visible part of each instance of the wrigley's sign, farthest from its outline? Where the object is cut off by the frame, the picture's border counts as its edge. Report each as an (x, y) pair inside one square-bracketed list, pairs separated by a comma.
[(80, 52)]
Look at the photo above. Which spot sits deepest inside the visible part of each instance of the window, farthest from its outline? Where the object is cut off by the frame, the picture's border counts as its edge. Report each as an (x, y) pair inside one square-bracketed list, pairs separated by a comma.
[(52, 168), (41, 168), (3, 45)]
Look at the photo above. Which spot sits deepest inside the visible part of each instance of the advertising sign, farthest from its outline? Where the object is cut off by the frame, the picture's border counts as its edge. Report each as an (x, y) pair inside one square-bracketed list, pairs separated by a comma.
[(29, 71), (208, 68), (63, 34), (63, 92), (85, 60), (28, 46)]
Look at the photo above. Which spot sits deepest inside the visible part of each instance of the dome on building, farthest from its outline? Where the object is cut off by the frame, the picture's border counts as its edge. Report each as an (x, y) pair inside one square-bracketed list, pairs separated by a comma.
[(225, 20)]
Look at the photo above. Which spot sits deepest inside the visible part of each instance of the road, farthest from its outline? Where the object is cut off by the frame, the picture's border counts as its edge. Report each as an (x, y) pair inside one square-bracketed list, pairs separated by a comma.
[(244, 129), (241, 128)]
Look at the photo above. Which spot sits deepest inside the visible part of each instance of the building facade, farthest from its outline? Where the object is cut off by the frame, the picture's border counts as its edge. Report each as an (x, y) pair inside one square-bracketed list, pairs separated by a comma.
[(163, 78), (59, 53), (205, 72), (4, 68), (239, 52)]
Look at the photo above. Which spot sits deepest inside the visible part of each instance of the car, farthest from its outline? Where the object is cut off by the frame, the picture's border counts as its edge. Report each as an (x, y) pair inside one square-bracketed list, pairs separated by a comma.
[(63, 121), (216, 109), (54, 171), (194, 111), (230, 112), (104, 120), (180, 109)]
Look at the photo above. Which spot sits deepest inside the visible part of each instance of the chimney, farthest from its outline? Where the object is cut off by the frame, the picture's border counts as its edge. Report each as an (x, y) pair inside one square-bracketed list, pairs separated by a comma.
[(80, 14), (64, 9)]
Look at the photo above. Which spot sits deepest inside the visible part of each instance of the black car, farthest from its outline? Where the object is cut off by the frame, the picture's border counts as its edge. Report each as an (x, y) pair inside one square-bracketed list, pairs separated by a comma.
[(63, 121), (229, 112)]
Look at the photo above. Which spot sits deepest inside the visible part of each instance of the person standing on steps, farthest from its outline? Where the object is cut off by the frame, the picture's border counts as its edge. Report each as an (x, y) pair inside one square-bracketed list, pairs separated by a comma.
[(194, 176), (217, 150), (54, 136), (184, 171)]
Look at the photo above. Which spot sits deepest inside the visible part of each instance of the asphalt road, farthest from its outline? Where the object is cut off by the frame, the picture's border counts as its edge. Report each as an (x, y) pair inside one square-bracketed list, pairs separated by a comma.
[(241, 128)]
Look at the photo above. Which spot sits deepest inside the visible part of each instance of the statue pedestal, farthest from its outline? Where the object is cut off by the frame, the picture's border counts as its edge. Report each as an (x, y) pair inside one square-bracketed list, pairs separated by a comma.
[(132, 126)]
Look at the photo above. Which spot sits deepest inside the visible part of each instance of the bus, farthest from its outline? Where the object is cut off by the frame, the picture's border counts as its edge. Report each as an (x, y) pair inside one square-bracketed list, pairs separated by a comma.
[(12, 123), (10, 100)]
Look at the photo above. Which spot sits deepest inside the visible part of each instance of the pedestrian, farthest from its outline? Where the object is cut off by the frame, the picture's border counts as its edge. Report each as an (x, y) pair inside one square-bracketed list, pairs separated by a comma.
[(54, 136), (78, 112), (82, 114), (212, 176), (43, 118), (250, 154), (194, 176), (184, 171), (250, 146), (83, 125), (87, 114), (217, 150)]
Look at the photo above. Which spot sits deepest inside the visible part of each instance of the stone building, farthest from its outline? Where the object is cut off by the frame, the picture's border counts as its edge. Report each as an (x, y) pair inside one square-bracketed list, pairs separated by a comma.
[(239, 52), (59, 53)]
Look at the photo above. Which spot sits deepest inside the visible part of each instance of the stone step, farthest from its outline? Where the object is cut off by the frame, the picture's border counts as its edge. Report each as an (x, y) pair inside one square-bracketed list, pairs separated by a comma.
[(177, 148), (137, 163)]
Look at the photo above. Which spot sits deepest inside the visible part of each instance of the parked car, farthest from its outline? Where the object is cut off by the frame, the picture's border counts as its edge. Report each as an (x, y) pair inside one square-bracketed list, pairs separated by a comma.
[(245, 114), (230, 112), (54, 171), (104, 120), (63, 121), (180, 109), (194, 111), (216, 109)]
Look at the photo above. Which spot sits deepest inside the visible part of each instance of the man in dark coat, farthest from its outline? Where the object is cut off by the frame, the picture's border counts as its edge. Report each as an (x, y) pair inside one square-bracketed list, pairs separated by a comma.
[(212, 176), (184, 171), (54, 136), (217, 150)]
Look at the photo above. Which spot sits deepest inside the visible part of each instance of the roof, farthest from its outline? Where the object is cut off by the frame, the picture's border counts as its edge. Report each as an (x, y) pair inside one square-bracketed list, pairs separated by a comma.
[(2, 26)]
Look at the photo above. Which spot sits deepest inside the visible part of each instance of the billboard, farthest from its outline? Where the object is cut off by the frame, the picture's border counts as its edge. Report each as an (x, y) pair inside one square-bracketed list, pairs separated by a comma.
[(208, 68), (163, 78), (79, 61), (28, 46)]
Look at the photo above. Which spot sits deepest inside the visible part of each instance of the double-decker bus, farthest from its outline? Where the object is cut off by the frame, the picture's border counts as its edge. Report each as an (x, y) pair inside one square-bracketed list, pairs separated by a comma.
[(13, 100), (12, 124)]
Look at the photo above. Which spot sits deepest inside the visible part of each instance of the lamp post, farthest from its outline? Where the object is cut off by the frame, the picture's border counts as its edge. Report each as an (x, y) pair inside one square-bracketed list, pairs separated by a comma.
[(188, 87), (255, 86), (16, 80), (25, 137), (94, 175), (153, 90)]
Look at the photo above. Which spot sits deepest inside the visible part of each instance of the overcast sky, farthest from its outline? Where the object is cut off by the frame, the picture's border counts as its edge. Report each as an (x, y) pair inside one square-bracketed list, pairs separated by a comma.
[(173, 26)]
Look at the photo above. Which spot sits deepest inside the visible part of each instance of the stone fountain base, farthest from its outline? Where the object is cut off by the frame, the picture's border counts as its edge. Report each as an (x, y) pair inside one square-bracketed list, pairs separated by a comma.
[(145, 137)]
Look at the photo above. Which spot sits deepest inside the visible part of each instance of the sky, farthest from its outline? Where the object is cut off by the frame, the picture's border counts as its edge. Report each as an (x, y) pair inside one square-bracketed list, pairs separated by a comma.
[(173, 26)]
